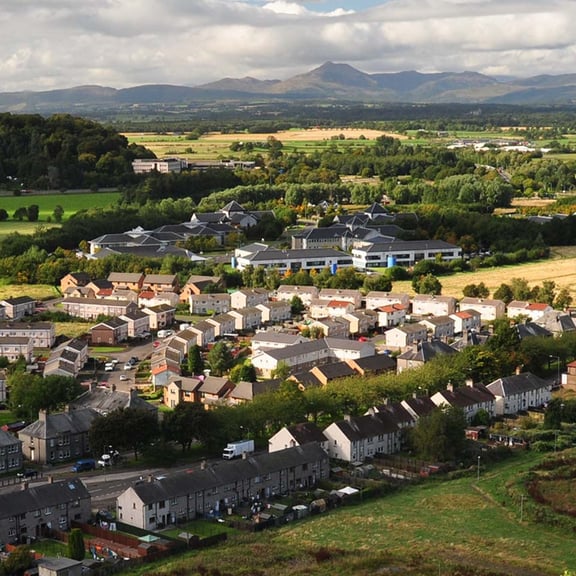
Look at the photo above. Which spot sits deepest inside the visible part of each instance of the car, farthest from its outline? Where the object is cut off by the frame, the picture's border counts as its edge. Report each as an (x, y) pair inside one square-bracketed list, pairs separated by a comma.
[(109, 367), (114, 361), (134, 360), (27, 473), (123, 377), (156, 343), (105, 461), (84, 465), (128, 366)]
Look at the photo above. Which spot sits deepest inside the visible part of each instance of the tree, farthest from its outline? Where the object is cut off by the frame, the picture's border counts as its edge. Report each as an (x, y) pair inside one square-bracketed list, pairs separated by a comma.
[(3, 215), (186, 423), (282, 371), (32, 212), (220, 359), (504, 293), (428, 284), (296, 305), (17, 562), (76, 549), (476, 290), (195, 360), (58, 213), (563, 299), (440, 436), (20, 213)]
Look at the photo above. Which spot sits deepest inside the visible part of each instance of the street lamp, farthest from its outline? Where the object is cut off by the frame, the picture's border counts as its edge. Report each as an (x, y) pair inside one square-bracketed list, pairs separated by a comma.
[(425, 390), (557, 368), (478, 470)]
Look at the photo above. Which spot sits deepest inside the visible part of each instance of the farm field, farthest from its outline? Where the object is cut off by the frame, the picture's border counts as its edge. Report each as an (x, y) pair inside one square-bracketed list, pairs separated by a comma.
[(561, 269), (451, 527), (216, 145), (71, 203)]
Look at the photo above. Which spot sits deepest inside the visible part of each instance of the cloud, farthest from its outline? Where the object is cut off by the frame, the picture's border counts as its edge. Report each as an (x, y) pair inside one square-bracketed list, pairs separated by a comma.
[(59, 43)]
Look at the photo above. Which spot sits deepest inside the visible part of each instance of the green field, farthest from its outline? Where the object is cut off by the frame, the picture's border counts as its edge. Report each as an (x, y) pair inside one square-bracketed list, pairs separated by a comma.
[(71, 202)]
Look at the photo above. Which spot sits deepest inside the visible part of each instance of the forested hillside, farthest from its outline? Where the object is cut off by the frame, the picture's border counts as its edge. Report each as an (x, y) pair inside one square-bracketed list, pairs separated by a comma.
[(63, 152)]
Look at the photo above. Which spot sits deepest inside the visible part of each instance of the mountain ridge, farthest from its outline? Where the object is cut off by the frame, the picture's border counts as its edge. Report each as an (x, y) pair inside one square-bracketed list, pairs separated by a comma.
[(330, 81)]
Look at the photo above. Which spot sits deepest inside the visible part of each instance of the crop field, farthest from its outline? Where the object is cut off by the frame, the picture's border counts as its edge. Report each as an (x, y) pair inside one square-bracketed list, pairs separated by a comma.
[(216, 145), (561, 270)]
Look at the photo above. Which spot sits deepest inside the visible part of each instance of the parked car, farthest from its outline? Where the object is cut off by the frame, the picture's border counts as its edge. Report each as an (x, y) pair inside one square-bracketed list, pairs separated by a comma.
[(109, 367), (123, 377), (128, 366), (84, 465), (105, 460), (27, 473)]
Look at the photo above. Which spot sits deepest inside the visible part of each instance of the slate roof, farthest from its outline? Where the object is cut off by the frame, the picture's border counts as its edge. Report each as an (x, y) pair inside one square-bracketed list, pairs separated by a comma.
[(335, 370), (214, 384), (464, 396), (7, 439), (125, 276), (18, 300), (517, 384), (306, 432), (306, 379), (104, 401), (425, 351), (368, 426), (376, 363), (225, 473), (528, 329), (421, 405), (248, 390), (74, 422), (42, 496)]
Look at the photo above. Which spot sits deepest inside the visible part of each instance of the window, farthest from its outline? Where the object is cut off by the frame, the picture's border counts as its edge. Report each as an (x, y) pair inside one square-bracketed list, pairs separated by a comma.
[(162, 504), (150, 507), (47, 510)]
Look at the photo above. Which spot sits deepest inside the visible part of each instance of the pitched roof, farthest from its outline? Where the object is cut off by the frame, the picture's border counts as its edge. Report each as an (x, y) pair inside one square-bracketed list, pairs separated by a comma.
[(104, 401), (368, 426), (74, 422), (517, 384), (306, 432), (425, 351)]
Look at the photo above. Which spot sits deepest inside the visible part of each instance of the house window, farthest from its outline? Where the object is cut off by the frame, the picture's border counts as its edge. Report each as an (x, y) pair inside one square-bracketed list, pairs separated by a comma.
[(11, 531), (162, 504), (150, 507), (47, 510)]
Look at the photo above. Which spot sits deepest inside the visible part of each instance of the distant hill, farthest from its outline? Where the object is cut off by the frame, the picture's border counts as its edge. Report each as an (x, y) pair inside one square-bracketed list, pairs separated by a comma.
[(331, 81)]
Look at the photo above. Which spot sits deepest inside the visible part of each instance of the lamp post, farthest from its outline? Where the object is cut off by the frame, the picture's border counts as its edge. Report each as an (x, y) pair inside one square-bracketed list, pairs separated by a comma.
[(478, 470), (425, 390), (557, 368)]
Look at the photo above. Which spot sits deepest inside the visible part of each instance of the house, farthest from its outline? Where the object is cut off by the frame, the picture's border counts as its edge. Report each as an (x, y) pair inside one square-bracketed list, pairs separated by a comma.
[(67, 359), (160, 165), (333, 371), (466, 321), (159, 283), (335, 236), (182, 497), (417, 355), (180, 390), (33, 511), (204, 333), (10, 452), (55, 438), (138, 323), (376, 299), (304, 356), (354, 297), (127, 280), (305, 380), (42, 334), (16, 308), (360, 321), (533, 310), (471, 399), (246, 318), (209, 303), (223, 324), (106, 400), (161, 316), (377, 364), (273, 339), (14, 347), (274, 312), (117, 294), (332, 327), (418, 406), (109, 332), (440, 327), (489, 309), (391, 315), (74, 280), (91, 308), (197, 284), (329, 308), (530, 329), (401, 337), (569, 379), (246, 391), (49, 566), (519, 392), (306, 294), (431, 305), (356, 438), (248, 298), (557, 322), (297, 435), (214, 389), (163, 373), (149, 299)]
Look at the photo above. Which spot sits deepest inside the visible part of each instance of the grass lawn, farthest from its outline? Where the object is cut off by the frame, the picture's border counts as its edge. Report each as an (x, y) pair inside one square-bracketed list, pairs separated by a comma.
[(202, 528), (95, 350), (6, 417), (71, 329), (36, 291), (50, 548)]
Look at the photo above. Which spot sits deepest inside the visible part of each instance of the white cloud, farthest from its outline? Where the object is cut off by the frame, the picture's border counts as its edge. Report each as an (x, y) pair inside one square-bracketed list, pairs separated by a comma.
[(57, 43)]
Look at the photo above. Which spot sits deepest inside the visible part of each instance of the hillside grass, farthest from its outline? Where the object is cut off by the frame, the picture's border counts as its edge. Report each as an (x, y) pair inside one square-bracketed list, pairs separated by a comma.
[(561, 269), (71, 203), (427, 529)]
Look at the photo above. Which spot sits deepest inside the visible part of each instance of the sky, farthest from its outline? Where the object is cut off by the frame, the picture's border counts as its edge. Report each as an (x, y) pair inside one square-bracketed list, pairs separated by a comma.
[(48, 44)]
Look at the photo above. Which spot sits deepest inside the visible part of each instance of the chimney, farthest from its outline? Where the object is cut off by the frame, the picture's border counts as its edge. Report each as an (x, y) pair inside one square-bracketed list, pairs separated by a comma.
[(470, 382), (50, 479), (518, 370), (347, 417), (42, 414), (450, 386), (150, 478)]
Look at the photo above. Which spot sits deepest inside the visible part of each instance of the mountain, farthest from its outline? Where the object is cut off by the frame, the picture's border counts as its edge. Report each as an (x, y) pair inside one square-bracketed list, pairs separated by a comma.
[(329, 82)]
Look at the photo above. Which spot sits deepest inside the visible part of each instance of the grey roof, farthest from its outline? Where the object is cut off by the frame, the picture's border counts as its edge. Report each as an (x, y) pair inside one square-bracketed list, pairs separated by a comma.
[(276, 337), (310, 253), (225, 473), (186, 384), (336, 231), (517, 384), (160, 278), (407, 245), (18, 300), (306, 379), (368, 426), (125, 276), (335, 370), (306, 432), (528, 329), (7, 439), (312, 346), (214, 384), (42, 496), (104, 401), (425, 351), (248, 390), (464, 396), (75, 422), (376, 363), (113, 323), (421, 405)]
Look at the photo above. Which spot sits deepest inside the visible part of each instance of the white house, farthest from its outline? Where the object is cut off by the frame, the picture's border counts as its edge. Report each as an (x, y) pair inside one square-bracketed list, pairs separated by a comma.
[(470, 399), (441, 327), (466, 320), (427, 304), (305, 293), (376, 299), (519, 392), (489, 309), (401, 337), (534, 310), (297, 435)]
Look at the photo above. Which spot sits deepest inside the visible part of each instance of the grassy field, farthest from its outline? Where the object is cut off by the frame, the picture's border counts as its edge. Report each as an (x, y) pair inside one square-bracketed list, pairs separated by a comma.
[(36, 291), (71, 329), (6, 417), (460, 527), (560, 269)]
